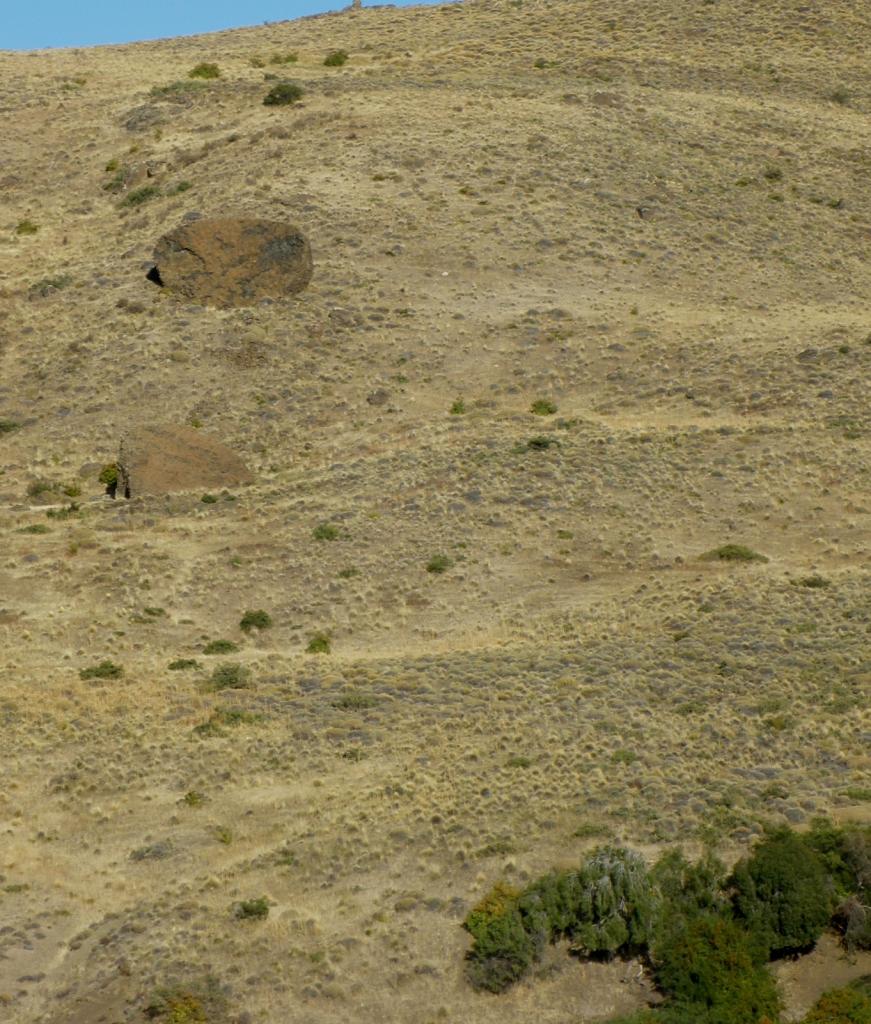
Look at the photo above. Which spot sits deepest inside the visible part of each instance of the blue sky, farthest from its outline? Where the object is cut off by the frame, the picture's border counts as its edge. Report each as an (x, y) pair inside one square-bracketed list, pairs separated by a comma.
[(34, 24)]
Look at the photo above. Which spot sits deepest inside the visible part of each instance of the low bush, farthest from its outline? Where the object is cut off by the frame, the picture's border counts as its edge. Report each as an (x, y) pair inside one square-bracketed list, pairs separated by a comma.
[(319, 643), (258, 619), (230, 676), (438, 564), (220, 647), (252, 910), (335, 59), (733, 553), (140, 195), (205, 70), (782, 893), (105, 670), (283, 94)]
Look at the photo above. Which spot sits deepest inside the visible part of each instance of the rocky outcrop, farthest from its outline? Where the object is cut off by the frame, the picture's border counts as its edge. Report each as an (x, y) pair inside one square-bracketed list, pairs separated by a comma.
[(233, 261), (165, 459)]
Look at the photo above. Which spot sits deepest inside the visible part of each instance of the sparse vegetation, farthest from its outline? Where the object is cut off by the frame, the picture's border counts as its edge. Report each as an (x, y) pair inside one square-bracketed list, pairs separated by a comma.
[(325, 531), (543, 407), (26, 227), (438, 564)]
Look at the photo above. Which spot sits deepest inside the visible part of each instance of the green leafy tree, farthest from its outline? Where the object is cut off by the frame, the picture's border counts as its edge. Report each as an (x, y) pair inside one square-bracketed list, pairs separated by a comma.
[(782, 893)]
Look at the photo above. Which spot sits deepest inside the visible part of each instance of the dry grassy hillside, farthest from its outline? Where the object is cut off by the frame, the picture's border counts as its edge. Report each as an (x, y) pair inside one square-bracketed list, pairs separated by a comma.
[(653, 216)]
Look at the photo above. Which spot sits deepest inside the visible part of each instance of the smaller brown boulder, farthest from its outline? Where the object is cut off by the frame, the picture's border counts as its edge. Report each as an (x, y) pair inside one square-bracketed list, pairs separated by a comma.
[(233, 261), (165, 459)]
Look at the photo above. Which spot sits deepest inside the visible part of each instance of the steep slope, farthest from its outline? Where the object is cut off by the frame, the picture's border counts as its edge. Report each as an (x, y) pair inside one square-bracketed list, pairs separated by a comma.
[(653, 217)]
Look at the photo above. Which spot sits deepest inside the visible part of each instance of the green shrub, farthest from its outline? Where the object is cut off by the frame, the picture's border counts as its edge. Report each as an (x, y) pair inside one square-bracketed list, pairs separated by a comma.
[(438, 564), (258, 619), (618, 905), (733, 553), (109, 474), (26, 227), (319, 643), (707, 961), (220, 647), (8, 426), (814, 582), (209, 499), (205, 71), (782, 893), (183, 663), (503, 949), (325, 531), (252, 910), (176, 88), (841, 1006), (840, 95), (687, 888), (283, 94), (355, 702), (105, 670), (230, 676), (284, 58), (846, 854), (458, 408), (335, 59), (542, 407), (541, 443), (140, 195), (220, 717)]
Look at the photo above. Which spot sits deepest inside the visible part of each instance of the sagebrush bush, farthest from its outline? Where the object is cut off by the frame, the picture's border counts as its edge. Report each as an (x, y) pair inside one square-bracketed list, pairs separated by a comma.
[(336, 58), (782, 893)]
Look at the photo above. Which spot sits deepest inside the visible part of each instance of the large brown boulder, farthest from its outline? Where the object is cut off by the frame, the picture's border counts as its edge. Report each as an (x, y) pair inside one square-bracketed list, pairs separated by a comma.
[(163, 459), (232, 261)]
